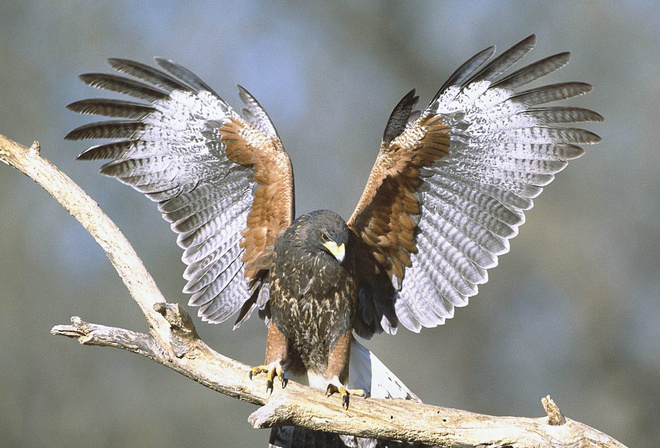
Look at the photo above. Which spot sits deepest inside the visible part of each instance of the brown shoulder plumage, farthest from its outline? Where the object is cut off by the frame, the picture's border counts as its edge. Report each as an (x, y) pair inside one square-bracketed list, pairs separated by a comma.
[(386, 215), (272, 206)]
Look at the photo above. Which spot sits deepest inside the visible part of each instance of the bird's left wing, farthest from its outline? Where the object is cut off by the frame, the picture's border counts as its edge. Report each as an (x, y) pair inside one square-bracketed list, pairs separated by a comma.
[(223, 181), (451, 183)]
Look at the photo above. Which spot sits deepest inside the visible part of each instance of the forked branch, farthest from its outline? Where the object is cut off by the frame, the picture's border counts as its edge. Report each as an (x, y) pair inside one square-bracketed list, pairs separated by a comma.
[(173, 342)]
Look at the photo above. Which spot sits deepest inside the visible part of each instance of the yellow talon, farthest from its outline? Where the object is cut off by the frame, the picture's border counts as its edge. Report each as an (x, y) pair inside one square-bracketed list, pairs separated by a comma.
[(345, 393), (272, 371)]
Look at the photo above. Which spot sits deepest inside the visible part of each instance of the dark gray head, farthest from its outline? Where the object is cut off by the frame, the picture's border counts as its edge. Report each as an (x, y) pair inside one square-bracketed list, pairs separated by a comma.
[(321, 230)]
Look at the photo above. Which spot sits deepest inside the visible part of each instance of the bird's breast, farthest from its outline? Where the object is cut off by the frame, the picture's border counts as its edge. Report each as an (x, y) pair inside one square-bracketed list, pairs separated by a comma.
[(313, 302)]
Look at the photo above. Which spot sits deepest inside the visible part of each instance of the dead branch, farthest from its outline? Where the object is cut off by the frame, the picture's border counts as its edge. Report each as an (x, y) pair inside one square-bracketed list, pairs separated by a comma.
[(173, 342)]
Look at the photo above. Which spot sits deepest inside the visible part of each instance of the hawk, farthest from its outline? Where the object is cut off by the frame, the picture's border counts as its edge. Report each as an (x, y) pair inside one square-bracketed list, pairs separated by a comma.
[(449, 188)]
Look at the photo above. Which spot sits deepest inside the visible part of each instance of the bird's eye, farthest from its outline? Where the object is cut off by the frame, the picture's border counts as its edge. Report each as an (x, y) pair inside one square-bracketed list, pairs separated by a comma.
[(325, 237)]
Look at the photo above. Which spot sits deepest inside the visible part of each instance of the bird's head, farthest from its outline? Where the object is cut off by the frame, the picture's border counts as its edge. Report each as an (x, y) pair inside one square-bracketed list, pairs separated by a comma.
[(325, 231)]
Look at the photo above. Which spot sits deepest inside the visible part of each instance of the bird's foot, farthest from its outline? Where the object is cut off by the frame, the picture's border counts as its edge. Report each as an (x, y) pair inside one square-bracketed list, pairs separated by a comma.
[(345, 393), (272, 371)]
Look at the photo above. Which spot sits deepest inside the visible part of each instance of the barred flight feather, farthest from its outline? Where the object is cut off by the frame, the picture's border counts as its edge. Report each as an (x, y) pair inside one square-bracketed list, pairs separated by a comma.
[(211, 275), (120, 84), (221, 240), (112, 108), (532, 72), (203, 240)]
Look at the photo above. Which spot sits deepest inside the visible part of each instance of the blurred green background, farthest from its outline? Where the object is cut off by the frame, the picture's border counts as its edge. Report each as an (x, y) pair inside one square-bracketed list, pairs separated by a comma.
[(573, 311)]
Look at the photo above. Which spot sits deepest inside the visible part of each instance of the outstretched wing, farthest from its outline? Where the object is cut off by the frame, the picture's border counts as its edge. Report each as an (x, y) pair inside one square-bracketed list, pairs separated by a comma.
[(450, 184), (223, 181)]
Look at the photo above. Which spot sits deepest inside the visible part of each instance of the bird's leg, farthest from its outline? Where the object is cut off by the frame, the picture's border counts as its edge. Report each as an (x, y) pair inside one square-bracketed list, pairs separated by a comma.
[(338, 360), (276, 351)]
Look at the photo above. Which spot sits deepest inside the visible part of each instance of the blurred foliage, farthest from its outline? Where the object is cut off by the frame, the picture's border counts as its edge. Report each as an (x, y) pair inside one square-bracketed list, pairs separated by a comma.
[(572, 312)]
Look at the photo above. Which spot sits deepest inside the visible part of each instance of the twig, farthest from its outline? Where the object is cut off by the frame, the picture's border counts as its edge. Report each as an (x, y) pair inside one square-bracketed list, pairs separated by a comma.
[(173, 341)]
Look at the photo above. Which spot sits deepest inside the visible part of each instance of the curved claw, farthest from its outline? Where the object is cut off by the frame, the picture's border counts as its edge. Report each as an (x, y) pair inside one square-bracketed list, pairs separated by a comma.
[(345, 393), (272, 371)]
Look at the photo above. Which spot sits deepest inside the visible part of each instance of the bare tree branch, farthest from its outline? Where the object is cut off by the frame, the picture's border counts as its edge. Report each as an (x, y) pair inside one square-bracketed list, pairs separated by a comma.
[(173, 342)]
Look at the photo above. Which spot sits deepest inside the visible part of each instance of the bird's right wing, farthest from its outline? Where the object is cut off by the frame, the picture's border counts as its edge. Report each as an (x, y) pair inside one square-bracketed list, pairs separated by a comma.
[(223, 181)]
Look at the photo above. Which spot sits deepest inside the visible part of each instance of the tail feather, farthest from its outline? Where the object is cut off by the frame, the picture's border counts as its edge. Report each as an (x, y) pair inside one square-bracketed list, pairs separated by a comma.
[(368, 373)]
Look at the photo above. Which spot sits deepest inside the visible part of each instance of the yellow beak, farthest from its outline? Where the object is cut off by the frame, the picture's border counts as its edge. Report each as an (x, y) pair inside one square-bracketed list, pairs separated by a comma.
[(337, 251)]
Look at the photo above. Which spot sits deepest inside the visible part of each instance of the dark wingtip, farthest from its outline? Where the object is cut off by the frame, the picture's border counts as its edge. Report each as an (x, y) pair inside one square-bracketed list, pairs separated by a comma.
[(591, 138), (531, 39), (113, 62), (73, 106), (89, 78), (86, 155), (400, 115), (71, 135)]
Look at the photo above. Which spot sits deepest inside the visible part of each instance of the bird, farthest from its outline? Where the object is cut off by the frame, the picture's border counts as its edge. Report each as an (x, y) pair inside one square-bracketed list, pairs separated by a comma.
[(449, 188)]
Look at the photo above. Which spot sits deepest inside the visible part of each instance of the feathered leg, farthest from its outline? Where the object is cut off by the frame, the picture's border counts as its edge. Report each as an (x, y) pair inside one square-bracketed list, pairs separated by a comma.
[(277, 348)]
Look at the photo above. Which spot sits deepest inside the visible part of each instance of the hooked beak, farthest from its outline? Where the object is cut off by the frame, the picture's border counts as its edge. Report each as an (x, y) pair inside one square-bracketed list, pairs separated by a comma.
[(337, 251)]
